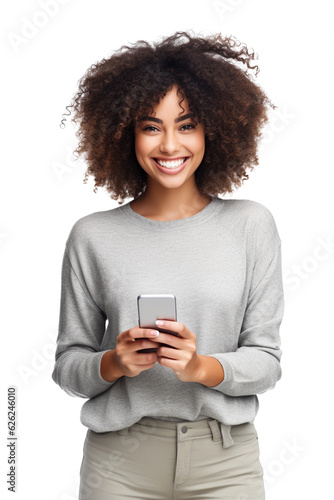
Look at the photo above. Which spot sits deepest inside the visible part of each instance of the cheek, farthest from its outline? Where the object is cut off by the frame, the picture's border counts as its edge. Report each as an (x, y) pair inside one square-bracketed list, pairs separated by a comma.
[(141, 152), (138, 146), (198, 144), (142, 146)]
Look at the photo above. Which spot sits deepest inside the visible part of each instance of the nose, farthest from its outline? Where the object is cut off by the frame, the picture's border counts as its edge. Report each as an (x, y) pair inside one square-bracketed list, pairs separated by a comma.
[(169, 143)]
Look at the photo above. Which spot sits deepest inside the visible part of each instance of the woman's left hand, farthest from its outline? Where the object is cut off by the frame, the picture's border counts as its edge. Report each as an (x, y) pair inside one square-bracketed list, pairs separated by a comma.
[(183, 360)]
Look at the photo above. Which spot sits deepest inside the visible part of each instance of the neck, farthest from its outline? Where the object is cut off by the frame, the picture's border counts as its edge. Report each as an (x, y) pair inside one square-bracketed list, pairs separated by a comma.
[(170, 204)]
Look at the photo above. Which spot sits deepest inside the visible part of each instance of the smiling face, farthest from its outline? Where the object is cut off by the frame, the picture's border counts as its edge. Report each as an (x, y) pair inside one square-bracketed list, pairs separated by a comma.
[(170, 145)]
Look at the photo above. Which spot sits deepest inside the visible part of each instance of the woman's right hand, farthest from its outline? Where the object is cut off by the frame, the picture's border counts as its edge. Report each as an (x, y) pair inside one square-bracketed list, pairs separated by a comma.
[(129, 360)]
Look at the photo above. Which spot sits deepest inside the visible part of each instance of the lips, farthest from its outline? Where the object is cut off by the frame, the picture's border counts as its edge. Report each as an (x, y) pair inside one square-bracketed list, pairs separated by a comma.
[(171, 169), (167, 158)]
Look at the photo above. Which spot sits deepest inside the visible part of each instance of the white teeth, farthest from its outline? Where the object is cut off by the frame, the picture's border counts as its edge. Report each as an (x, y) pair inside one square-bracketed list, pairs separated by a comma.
[(171, 164)]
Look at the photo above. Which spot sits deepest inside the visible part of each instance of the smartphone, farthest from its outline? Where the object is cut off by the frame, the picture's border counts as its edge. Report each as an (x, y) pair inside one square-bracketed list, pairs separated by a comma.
[(156, 306)]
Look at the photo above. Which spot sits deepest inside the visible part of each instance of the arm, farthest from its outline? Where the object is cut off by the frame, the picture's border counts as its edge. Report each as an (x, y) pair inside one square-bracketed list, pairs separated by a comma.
[(255, 366), (110, 369), (209, 371), (81, 328)]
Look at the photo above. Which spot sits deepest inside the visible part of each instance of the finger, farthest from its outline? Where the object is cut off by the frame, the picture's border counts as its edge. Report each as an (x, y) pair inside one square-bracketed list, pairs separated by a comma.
[(137, 332), (170, 339), (141, 344), (174, 326), (167, 352), (145, 358), (170, 363)]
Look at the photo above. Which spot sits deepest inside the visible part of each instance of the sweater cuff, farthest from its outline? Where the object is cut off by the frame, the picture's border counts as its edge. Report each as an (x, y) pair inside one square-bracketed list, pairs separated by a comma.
[(97, 374), (227, 373), (79, 374)]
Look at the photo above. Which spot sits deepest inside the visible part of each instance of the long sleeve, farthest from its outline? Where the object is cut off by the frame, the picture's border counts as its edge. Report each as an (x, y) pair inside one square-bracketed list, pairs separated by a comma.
[(223, 265), (255, 366), (81, 329)]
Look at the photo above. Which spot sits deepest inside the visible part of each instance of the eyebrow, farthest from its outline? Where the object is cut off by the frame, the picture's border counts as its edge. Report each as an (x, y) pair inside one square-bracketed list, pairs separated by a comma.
[(157, 120)]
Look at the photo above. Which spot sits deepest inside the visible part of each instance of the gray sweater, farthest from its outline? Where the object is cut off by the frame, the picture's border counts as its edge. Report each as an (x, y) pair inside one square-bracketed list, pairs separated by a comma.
[(223, 264)]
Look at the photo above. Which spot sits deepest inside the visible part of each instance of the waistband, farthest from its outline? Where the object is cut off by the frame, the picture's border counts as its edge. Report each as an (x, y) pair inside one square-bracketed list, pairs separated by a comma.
[(188, 430)]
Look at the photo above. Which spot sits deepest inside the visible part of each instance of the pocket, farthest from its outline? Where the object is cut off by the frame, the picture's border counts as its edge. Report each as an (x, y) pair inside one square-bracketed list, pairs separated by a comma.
[(247, 446), (244, 433)]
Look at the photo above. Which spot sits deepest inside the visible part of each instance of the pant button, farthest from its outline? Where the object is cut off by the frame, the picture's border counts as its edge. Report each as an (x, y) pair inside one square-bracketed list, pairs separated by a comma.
[(184, 429)]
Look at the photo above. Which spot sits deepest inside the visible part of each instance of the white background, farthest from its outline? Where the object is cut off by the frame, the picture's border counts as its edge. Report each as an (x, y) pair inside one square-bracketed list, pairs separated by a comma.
[(42, 195)]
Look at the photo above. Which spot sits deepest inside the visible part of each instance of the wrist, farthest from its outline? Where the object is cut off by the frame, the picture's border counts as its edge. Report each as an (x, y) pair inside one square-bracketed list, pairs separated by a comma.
[(209, 371), (110, 368)]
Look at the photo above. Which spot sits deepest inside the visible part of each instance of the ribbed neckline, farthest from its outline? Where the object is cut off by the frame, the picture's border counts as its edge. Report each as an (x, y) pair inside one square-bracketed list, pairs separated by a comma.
[(202, 216)]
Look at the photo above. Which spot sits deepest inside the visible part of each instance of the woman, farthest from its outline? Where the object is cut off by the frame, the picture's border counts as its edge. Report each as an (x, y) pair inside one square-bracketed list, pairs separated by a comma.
[(172, 125)]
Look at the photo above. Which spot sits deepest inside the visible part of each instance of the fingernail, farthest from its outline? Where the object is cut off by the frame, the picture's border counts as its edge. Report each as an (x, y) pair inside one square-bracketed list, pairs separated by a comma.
[(155, 333), (159, 322)]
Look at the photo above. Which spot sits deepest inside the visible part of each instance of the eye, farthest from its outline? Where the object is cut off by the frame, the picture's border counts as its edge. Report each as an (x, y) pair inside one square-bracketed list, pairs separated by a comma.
[(187, 126), (150, 128)]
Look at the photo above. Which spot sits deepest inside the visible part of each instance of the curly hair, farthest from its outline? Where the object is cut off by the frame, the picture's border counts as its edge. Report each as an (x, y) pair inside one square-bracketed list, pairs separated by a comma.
[(115, 92)]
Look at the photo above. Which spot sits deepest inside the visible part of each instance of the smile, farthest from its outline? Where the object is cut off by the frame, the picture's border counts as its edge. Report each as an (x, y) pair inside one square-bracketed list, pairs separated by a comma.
[(172, 163)]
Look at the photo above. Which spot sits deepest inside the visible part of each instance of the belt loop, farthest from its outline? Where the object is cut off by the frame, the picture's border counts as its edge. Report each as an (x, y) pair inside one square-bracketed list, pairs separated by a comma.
[(216, 435), (226, 435)]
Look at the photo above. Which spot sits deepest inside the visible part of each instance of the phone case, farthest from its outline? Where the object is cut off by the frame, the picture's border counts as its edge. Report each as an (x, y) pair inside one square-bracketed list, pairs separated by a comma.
[(156, 306)]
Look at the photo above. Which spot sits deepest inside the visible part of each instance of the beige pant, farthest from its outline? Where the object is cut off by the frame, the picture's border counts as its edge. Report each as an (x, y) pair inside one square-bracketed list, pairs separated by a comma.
[(160, 460)]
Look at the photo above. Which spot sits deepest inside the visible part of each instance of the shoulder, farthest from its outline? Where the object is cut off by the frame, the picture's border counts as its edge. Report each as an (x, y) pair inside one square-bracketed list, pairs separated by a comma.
[(94, 226), (252, 218), (248, 209)]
